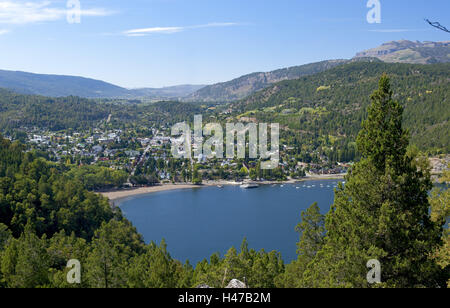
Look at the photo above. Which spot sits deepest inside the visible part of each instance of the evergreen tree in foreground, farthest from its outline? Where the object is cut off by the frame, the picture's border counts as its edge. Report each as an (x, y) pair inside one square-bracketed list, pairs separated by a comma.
[(382, 212), (312, 233)]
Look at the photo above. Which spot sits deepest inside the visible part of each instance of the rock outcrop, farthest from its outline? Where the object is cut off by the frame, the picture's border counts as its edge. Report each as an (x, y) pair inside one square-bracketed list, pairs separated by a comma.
[(234, 284)]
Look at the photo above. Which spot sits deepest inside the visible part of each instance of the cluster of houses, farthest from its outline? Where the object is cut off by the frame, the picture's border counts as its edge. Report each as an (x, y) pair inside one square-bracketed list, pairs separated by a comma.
[(95, 146), (113, 148), (317, 169)]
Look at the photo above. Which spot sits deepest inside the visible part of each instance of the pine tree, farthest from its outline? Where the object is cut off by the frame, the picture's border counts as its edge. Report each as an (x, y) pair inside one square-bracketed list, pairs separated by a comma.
[(440, 212), (113, 245), (312, 233), (382, 212), (156, 269), (25, 261)]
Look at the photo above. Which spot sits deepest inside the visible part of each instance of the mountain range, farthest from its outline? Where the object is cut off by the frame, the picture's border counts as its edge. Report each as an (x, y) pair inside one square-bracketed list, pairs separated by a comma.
[(392, 52), (59, 86), (324, 108), (243, 86), (335, 102), (410, 52)]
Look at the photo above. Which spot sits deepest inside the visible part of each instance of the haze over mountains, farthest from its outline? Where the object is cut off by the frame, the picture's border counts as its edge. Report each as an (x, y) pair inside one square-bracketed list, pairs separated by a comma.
[(60, 86), (243, 86), (396, 51), (239, 88)]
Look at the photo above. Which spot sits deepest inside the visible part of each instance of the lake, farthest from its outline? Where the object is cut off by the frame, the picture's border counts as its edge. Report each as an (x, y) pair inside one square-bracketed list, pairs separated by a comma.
[(199, 222)]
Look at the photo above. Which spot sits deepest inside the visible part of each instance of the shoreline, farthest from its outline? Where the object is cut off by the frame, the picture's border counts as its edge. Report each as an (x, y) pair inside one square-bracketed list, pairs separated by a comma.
[(117, 195)]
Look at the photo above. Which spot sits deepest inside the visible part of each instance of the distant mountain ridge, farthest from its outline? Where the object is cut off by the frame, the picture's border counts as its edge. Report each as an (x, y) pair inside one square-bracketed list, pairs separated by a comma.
[(248, 84), (334, 102), (167, 92), (60, 86), (405, 51), (393, 52)]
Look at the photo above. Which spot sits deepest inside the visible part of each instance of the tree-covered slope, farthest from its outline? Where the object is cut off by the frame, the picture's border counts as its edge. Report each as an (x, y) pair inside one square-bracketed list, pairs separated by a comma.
[(60, 86), (410, 52), (57, 85), (18, 110), (62, 113), (335, 102), (243, 86)]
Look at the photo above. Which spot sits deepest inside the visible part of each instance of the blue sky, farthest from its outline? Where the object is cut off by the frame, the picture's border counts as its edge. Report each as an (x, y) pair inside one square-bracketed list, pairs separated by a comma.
[(155, 43)]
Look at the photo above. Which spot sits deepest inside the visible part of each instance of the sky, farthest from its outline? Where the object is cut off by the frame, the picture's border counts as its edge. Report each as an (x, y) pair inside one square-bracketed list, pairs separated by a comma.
[(156, 43)]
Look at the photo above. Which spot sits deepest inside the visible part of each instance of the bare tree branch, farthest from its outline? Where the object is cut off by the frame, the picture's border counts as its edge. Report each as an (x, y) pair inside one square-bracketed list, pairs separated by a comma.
[(437, 25)]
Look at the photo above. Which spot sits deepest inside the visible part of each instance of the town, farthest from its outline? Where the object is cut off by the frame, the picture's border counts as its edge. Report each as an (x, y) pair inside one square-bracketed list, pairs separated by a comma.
[(146, 159)]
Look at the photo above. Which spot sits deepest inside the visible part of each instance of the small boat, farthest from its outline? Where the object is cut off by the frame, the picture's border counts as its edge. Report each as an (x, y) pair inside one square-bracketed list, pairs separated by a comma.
[(249, 186), (220, 186), (297, 187)]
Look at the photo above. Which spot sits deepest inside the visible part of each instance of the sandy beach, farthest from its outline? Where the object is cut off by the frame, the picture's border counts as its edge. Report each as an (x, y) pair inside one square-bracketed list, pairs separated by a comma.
[(125, 193), (121, 194)]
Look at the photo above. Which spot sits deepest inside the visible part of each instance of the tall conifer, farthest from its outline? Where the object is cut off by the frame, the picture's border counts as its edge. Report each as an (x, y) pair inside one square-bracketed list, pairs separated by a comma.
[(382, 212)]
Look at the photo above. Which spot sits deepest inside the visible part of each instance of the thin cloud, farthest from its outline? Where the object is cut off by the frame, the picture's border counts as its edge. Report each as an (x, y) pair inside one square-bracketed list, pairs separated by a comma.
[(2, 31), (170, 30), (396, 30), (337, 19), (19, 12), (144, 31)]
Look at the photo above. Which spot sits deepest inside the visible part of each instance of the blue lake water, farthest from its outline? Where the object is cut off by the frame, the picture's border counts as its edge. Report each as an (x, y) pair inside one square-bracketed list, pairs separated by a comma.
[(199, 222)]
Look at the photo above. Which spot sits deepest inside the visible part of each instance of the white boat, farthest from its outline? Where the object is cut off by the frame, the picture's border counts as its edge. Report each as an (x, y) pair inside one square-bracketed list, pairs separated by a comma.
[(249, 186)]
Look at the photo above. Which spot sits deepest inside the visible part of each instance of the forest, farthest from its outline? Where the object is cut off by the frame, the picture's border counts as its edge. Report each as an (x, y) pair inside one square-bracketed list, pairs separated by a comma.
[(334, 102), (319, 114), (384, 212), (18, 111)]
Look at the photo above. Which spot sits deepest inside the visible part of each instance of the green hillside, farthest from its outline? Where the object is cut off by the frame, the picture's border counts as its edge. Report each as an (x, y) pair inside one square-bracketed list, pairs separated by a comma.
[(335, 102), (19, 111), (246, 85), (410, 52), (60, 86)]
